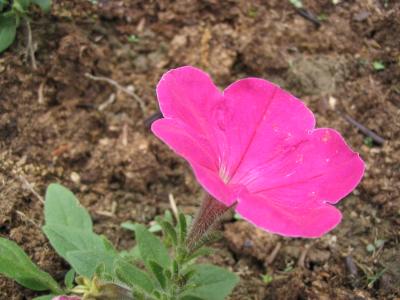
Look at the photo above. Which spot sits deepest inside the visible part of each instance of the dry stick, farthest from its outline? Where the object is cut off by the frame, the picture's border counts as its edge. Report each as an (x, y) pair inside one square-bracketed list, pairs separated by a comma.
[(308, 16), (172, 203), (376, 138), (274, 253), (25, 217), (119, 87), (29, 187), (29, 47), (303, 255)]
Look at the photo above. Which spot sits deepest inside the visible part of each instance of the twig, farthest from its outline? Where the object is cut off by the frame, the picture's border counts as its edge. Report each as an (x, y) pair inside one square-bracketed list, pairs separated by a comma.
[(110, 213), (25, 217), (29, 47), (351, 266), (376, 138), (40, 93), (172, 203), (308, 16), (125, 135), (106, 103), (303, 255), (29, 187), (121, 88), (274, 253)]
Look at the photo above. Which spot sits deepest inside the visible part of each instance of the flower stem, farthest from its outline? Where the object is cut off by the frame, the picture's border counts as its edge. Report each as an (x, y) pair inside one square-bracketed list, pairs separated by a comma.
[(209, 213)]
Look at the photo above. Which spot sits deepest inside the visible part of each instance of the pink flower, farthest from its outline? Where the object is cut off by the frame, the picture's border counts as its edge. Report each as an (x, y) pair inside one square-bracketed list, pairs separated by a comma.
[(256, 145), (66, 298)]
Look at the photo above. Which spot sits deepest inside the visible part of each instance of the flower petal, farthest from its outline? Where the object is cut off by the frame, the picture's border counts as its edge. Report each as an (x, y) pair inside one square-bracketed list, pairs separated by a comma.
[(186, 142), (198, 152), (188, 94), (317, 170), (291, 194), (260, 119), (310, 222)]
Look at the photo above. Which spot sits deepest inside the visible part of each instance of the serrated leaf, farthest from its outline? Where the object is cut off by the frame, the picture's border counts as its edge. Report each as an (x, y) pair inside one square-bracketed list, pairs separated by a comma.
[(150, 247), (62, 208), (85, 262), (69, 279), (16, 264), (45, 5), (211, 282), (133, 276), (8, 30)]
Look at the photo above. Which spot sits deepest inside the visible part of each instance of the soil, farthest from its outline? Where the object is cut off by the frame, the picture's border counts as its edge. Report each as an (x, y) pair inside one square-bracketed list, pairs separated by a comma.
[(59, 125)]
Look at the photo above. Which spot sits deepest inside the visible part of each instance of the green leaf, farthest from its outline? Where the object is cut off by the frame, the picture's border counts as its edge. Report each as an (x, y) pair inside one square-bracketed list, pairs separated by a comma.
[(70, 232), (128, 225), (169, 230), (189, 297), (85, 262), (158, 272), (131, 255), (69, 279), (378, 65), (15, 264), (182, 228), (211, 282), (203, 251), (65, 239), (21, 6), (45, 5), (45, 297), (133, 276), (62, 208), (8, 30), (108, 245), (151, 248)]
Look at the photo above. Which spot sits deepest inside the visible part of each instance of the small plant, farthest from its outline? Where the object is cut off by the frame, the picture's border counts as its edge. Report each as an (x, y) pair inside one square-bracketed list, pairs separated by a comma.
[(154, 269), (378, 65), (11, 14), (296, 3)]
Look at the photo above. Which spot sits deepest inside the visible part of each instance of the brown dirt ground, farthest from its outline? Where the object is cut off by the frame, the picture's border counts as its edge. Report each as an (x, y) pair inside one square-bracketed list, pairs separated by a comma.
[(53, 127)]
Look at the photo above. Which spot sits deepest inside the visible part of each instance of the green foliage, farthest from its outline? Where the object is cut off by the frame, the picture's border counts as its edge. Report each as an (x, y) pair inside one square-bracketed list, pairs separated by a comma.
[(133, 276), (151, 248), (45, 297), (11, 12), (69, 229), (8, 30), (211, 282), (296, 3), (378, 65), (155, 269), (267, 278), (45, 5), (69, 279), (15, 264)]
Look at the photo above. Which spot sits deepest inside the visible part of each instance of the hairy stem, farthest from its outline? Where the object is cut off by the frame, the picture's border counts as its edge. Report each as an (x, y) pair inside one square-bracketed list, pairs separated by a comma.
[(209, 213)]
